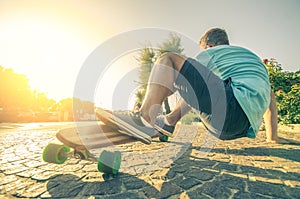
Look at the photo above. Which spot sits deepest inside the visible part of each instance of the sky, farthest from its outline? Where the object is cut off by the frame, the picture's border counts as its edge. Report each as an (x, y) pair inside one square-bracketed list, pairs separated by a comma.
[(49, 41)]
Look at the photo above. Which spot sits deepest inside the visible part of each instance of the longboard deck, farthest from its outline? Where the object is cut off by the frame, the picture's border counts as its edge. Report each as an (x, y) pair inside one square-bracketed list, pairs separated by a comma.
[(93, 137)]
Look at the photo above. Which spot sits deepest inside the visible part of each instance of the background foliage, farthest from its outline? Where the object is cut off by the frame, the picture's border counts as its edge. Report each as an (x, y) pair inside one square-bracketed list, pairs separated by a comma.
[(19, 103), (286, 86)]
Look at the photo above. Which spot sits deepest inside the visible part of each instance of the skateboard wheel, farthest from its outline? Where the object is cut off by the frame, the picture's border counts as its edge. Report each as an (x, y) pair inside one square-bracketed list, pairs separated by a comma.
[(164, 138), (55, 153), (109, 162)]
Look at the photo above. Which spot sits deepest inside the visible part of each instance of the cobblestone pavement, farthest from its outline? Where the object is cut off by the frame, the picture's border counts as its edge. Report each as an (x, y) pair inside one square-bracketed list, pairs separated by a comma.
[(242, 168)]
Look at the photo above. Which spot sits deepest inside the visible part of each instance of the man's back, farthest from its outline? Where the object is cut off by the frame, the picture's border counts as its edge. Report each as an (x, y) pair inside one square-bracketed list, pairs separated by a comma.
[(249, 77)]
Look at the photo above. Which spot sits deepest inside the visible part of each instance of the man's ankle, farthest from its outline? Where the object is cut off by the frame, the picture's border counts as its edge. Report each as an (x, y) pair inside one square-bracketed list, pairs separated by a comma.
[(145, 118), (170, 121)]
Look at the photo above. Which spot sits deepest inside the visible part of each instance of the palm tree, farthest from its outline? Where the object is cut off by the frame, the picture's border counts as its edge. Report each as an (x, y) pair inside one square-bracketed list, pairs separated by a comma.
[(172, 44), (146, 61)]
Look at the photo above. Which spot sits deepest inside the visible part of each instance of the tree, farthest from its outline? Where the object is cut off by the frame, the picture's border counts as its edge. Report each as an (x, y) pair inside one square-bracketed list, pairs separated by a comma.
[(80, 108), (19, 103), (15, 94), (12, 86), (41, 103), (172, 44), (146, 59)]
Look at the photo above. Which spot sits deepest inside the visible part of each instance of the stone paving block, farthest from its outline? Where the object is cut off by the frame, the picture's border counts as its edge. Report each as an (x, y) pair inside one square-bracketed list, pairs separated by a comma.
[(51, 167), (197, 194), (267, 189), (36, 156), (202, 163), (10, 157), (43, 175), (6, 196), (292, 183), (222, 166), (168, 189), (242, 160), (247, 195), (294, 176), (33, 191), (150, 191), (292, 192), (101, 188), (181, 168), (203, 175), (212, 189), (254, 170), (64, 188), (236, 174), (14, 186), (232, 182), (131, 183), (125, 195), (33, 163), (269, 180), (30, 173), (14, 169), (5, 179), (186, 183)]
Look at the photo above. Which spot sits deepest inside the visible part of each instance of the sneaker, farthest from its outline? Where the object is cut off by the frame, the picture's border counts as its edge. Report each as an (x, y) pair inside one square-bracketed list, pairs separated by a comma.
[(134, 118), (130, 122), (160, 122), (105, 120), (162, 127)]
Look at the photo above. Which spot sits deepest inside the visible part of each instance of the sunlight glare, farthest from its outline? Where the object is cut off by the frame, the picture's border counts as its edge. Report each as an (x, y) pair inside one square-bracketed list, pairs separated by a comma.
[(49, 54), (117, 85)]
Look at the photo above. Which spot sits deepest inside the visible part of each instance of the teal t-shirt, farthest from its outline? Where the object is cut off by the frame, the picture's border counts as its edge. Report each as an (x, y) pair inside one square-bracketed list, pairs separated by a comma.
[(250, 80)]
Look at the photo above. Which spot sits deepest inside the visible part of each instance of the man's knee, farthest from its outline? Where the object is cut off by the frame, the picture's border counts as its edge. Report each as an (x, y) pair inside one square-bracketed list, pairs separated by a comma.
[(176, 59), (167, 56), (172, 55)]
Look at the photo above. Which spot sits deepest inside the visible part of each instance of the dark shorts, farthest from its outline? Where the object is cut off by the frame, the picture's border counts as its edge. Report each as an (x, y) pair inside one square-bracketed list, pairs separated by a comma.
[(213, 97)]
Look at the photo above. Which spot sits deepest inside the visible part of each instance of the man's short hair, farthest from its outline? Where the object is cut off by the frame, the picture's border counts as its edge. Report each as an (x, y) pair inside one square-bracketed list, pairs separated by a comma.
[(214, 37)]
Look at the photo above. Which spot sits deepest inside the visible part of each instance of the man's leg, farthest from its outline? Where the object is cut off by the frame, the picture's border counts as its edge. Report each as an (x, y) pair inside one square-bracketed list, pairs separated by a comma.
[(179, 111), (161, 84), (271, 120)]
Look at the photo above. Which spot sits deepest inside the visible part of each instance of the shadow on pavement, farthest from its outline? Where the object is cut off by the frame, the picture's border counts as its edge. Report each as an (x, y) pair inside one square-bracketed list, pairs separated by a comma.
[(288, 154), (286, 141), (70, 186), (190, 177)]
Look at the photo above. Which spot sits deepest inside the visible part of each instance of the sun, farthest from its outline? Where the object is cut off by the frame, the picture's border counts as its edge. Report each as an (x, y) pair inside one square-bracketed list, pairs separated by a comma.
[(48, 53)]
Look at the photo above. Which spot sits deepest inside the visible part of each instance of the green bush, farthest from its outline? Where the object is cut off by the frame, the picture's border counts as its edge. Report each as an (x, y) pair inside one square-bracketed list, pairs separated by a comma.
[(286, 86)]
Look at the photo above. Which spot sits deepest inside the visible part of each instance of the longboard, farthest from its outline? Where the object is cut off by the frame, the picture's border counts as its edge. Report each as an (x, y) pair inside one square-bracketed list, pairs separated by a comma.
[(93, 137), (77, 141)]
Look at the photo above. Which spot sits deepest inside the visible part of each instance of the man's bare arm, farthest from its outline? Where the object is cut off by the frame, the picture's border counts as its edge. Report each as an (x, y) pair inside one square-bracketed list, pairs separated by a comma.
[(271, 120)]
